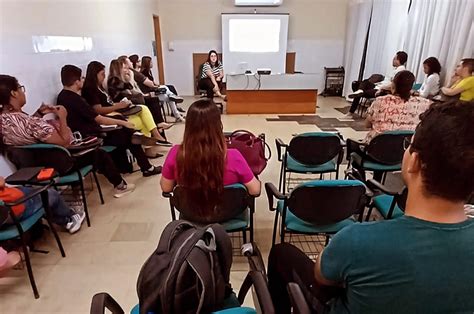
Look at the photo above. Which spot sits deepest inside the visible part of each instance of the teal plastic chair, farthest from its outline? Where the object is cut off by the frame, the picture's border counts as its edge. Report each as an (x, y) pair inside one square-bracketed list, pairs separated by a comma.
[(383, 154), (390, 204), (59, 158), (320, 207), (309, 153), (416, 86), (235, 211), (17, 230)]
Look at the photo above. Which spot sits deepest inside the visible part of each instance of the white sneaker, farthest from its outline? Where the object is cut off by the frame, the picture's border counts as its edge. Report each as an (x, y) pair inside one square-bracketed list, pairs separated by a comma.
[(76, 222), (126, 189), (349, 115)]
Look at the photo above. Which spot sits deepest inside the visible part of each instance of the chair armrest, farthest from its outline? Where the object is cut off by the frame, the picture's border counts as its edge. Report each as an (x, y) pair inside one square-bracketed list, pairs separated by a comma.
[(354, 145), (279, 144), (83, 152), (35, 192), (272, 192), (167, 194), (374, 185), (261, 289), (298, 302), (102, 301)]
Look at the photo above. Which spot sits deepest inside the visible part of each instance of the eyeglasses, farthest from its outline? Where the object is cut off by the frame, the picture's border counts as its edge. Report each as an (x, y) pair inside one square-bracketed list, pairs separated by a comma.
[(406, 143), (22, 88)]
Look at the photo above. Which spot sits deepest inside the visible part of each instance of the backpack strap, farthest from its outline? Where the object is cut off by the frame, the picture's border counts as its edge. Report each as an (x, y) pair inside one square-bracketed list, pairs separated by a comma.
[(170, 232)]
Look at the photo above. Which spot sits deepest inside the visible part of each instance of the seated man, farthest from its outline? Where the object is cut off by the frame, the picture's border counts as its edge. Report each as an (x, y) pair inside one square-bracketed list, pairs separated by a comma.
[(464, 85), (418, 263), (18, 128), (82, 118), (371, 87), (62, 214)]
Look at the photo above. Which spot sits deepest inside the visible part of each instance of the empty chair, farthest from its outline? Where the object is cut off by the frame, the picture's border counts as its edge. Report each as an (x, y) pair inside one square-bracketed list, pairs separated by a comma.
[(390, 204)]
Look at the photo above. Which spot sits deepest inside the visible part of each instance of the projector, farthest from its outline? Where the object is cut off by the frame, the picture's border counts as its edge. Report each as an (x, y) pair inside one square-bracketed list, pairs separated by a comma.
[(264, 71)]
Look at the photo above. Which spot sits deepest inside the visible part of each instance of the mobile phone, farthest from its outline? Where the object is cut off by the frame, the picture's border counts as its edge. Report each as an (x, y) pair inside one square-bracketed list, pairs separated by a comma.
[(45, 174)]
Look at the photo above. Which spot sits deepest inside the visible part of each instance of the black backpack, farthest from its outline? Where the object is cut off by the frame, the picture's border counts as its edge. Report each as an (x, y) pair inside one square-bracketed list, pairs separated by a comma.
[(188, 272)]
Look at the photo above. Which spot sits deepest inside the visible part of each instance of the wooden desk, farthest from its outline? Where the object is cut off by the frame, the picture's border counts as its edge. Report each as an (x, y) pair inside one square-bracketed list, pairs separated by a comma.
[(282, 93)]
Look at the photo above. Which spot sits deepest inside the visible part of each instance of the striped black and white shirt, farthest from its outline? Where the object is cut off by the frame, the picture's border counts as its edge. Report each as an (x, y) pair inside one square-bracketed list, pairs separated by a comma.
[(215, 70)]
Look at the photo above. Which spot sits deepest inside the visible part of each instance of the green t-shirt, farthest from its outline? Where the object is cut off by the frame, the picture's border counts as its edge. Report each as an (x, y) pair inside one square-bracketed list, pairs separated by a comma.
[(404, 265)]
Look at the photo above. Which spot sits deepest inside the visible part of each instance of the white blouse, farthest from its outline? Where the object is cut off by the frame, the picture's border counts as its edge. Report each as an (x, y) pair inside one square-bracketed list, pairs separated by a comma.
[(430, 86)]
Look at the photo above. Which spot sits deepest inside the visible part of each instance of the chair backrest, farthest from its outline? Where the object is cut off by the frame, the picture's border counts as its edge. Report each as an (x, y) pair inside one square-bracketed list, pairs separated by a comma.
[(234, 201), (323, 202), (387, 148), (314, 148), (45, 155)]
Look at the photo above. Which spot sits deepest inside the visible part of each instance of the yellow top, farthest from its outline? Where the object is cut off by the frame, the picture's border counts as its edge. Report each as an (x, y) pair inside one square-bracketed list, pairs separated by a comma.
[(467, 85)]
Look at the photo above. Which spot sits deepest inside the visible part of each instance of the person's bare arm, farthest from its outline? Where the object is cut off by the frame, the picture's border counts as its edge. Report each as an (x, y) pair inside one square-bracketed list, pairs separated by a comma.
[(253, 187), (452, 91), (167, 185), (111, 121), (320, 277), (61, 137), (212, 77), (368, 122), (149, 83)]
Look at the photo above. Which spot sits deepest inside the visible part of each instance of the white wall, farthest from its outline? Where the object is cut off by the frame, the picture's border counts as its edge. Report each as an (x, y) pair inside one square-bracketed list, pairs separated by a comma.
[(116, 26), (316, 34)]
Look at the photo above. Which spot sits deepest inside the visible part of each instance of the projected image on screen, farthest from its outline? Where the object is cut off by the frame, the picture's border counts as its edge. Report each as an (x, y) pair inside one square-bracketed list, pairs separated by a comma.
[(252, 35)]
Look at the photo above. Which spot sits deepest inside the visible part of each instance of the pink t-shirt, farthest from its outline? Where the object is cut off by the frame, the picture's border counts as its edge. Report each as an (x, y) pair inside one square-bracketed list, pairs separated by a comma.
[(236, 168)]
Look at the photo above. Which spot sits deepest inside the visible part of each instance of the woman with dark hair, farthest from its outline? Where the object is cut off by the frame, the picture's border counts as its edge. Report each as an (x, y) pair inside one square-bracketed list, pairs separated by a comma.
[(202, 163), (212, 73), (398, 111), (94, 93), (430, 86), (135, 59)]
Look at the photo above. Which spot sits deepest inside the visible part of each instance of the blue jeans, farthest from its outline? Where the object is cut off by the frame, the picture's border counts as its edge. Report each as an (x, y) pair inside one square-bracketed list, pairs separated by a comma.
[(61, 213)]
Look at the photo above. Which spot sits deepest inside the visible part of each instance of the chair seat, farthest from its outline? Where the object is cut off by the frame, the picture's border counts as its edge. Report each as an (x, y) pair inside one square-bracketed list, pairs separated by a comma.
[(240, 222), (295, 166), (372, 165), (108, 149), (383, 202), (73, 176), (296, 224), (11, 232)]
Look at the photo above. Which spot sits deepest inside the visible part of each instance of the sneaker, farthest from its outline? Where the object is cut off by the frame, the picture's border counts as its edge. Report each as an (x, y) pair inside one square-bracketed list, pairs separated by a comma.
[(357, 93), (75, 223), (156, 170), (76, 206), (124, 190), (164, 143), (180, 109), (180, 119), (349, 115), (176, 99)]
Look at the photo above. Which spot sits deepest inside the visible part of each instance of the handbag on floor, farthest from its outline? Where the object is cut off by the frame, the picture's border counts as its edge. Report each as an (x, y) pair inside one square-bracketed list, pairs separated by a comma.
[(251, 147)]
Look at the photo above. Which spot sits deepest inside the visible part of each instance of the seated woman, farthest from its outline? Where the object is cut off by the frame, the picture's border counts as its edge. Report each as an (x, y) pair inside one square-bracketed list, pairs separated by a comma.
[(210, 78), (95, 94), (18, 128), (202, 163), (463, 85), (142, 84), (430, 86)]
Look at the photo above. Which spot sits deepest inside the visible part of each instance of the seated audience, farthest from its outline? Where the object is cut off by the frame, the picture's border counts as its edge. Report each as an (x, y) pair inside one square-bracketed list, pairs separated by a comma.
[(210, 78), (398, 111), (202, 163), (430, 86), (373, 86), (463, 85), (95, 94), (18, 128), (62, 215), (141, 83), (418, 263), (82, 118)]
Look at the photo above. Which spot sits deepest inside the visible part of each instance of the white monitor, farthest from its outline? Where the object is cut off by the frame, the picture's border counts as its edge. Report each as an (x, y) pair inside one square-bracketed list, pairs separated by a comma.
[(259, 40)]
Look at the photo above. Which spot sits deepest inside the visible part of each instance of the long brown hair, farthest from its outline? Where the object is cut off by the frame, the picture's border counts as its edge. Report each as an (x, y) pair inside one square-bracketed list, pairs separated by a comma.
[(146, 65), (201, 157)]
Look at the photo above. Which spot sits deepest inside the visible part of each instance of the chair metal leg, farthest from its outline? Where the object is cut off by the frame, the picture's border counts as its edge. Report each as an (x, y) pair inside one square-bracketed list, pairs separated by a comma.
[(369, 212), (275, 224), (98, 187), (56, 236), (244, 236), (84, 200), (29, 268), (282, 234)]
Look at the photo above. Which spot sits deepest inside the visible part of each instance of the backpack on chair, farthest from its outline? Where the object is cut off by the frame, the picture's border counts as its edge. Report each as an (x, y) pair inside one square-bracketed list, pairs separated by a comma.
[(188, 272)]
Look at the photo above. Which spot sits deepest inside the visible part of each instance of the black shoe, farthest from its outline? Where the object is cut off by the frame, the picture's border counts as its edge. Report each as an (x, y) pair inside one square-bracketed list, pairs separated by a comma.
[(180, 109), (156, 170), (164, 143), (176, 99)]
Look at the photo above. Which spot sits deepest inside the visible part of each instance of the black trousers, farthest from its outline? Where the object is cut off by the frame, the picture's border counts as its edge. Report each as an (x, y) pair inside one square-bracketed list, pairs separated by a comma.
[(208, 86), (369, 92), (104, 163), (122, 139), (286, 263)]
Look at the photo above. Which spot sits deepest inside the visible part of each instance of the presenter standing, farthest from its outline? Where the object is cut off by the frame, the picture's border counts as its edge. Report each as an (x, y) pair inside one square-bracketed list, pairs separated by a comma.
[(212, 73)]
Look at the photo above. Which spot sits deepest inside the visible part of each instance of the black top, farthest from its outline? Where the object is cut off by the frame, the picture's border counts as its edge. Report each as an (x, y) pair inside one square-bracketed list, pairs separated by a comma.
[(95, 96), (80, 115), (118, 89), (140, 78)]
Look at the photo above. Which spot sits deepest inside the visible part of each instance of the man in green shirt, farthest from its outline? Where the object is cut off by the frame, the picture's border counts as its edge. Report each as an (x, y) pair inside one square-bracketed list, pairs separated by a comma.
[(422, 262)]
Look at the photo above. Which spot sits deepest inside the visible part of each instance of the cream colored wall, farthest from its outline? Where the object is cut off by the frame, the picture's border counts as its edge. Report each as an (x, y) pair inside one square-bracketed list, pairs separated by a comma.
[(316, 33)]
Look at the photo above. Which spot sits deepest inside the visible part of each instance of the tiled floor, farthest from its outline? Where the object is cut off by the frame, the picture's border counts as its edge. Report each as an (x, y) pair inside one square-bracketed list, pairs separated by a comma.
[(124, 232)]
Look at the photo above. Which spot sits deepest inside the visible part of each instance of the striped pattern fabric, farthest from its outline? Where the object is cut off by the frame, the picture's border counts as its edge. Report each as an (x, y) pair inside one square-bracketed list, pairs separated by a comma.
[(18, 128), (215, 70)]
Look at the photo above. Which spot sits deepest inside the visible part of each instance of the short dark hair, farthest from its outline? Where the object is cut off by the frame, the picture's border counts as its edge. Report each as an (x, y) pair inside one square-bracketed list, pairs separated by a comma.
[(70, 74), (469, 63), (7, 85), (444, 142), (433, 64), (403, 81), (134, 59), (402, 57)]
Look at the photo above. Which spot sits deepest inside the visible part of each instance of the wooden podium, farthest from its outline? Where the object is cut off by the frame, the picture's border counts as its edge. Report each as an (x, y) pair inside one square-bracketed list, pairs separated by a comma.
[(281, 93)]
